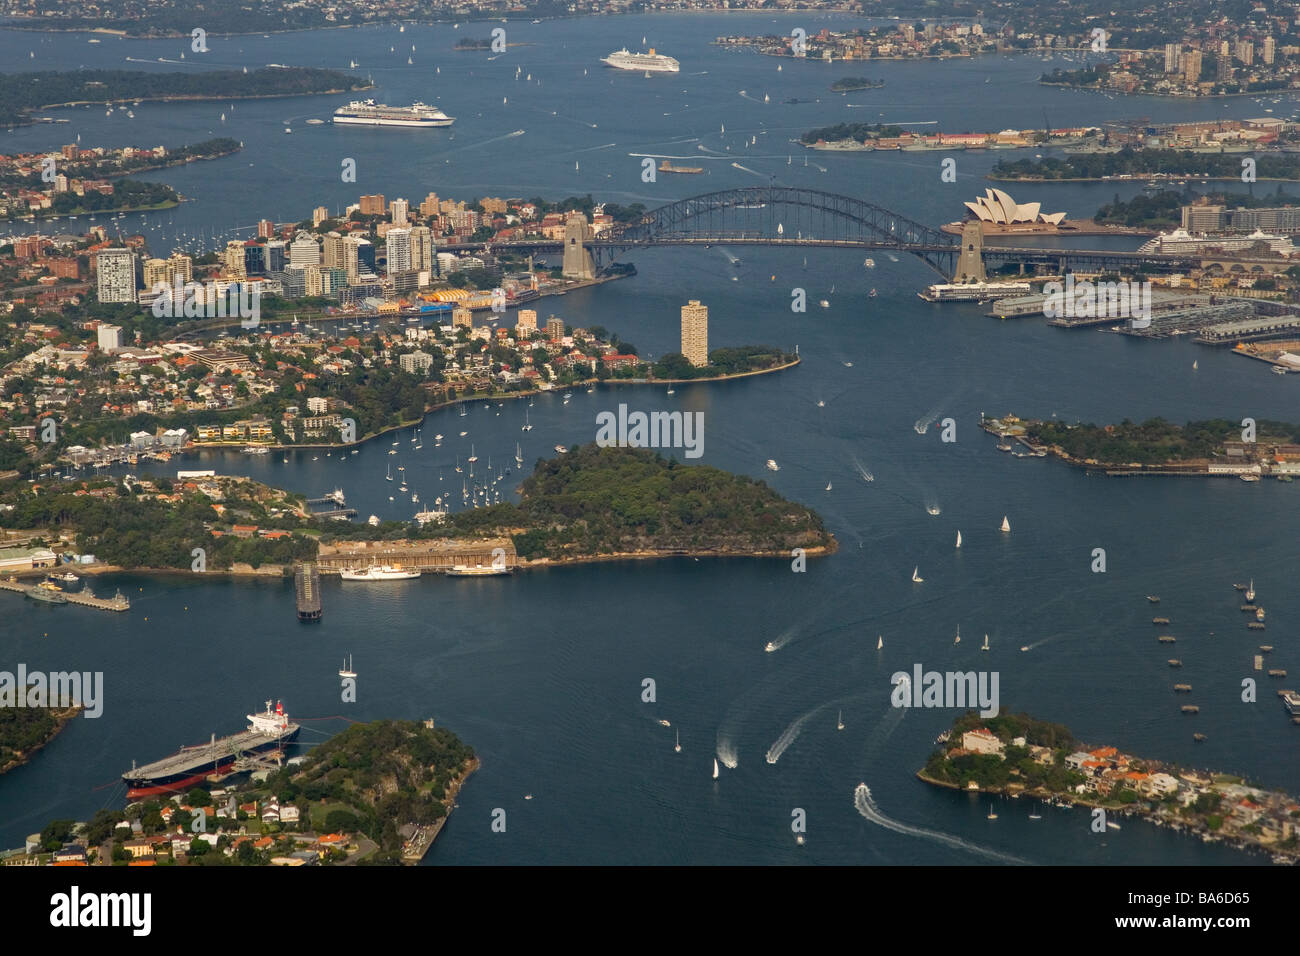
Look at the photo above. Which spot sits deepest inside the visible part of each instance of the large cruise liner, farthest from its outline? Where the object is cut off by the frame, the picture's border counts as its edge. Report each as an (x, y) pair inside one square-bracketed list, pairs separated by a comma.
[(651, 62), (370, 113), (190, 765)]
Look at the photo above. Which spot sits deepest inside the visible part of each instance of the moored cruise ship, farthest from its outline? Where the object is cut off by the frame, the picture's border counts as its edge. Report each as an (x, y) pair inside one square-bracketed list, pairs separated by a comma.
[(370, 113), (268, 730), (382, 572), (651, 62)]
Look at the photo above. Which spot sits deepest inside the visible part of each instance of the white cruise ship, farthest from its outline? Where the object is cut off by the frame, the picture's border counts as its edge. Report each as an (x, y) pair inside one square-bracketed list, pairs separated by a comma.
[(377, 573), (370, 113), (651, 62)]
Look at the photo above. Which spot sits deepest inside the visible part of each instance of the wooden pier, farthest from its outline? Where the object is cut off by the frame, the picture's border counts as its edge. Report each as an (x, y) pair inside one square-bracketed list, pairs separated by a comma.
[(116, 603)]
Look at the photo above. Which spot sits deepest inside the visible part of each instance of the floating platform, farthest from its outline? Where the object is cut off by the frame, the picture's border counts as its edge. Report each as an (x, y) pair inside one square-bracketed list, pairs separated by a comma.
[(306, 584)]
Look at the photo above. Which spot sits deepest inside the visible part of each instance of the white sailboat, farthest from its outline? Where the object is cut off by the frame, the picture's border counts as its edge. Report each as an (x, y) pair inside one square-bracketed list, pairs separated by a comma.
[(1006, 525), (715, 768), (346, 670), (472, 457), (880, 641), (1195, 365), (1250, 592), (519, 455), (957, 639), (828, 486), (916, 578), (839, 723), (677, 747), (526, 426), (959, 539), (985, 646), (992, 815), (389, 476)]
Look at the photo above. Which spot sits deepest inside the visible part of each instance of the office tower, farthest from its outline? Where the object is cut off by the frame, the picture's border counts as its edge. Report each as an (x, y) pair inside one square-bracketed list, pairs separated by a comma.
[(275, 257), (116, 268), (304, 251), (255, 259), (332, 248), (373, 205), (695, 333)]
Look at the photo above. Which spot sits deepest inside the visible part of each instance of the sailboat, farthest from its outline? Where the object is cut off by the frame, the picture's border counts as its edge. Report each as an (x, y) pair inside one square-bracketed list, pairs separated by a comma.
[(346, 670), (389, 476), (880, 641), (957, 639), (959, 539), (1195, 364), (916, 578), (519, 455), (472, 457), (715, 768), (992, 815), (526, 426), (985, 647), (677, 747), (828, 486), (839, 724), (1006, 525), (458, 468), (1250, 592)]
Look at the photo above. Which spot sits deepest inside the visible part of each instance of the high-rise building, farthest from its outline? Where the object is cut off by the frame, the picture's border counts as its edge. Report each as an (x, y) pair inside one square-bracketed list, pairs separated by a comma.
[(275, 256), (1270, 50), (399, 250), (1172, 56), (422, 248), (312, 281), (319, 215), (156, 272), (233, 260), (398, 209), (116, 268), (304, 251), (695, 333), (351, 261), (555, 329), (430, 205), (373, 205), (332, 247), (109, 338), (266, 229), (1203, 218), (1192, 66), (462, 318), (1246, 52), (254, 259), (181, 266)]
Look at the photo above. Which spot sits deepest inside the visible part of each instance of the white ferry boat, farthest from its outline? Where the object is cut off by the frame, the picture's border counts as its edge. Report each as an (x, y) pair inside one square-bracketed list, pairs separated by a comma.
[(381, 572), (370, 113), (650, 62), (478, 570)]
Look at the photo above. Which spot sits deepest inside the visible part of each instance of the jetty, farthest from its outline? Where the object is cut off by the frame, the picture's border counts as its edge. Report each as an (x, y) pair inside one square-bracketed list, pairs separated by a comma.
[(118, 602)]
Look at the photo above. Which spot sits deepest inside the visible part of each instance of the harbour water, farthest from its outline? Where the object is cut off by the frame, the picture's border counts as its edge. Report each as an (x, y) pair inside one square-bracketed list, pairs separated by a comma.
[(542, 672)]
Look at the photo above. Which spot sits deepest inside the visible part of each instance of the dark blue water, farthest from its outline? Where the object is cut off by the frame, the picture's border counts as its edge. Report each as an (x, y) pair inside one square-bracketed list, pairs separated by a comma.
[(542, 673)]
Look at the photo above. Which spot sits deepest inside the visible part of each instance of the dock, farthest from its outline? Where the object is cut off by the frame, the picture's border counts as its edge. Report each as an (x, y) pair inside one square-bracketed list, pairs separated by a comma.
[(117, 602), (306, 584)]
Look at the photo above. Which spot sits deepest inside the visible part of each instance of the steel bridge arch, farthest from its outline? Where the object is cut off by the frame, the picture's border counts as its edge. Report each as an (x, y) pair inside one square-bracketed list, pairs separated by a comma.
[(704, 219)]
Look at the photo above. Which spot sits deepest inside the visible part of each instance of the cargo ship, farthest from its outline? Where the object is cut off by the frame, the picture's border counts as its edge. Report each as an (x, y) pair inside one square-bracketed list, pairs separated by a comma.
[(370, 113), (269, 730), (651, 62), (667, 167)]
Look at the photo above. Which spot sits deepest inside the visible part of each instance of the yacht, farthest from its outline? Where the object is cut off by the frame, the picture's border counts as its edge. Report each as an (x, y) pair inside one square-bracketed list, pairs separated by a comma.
[(526, 426), (772, 465), (677, 747), (519, 455), (992, 815), (839, 723), (561, 449), (1250, 592), (916, 578), (959, 539), (985, 645), (1006, 525), (346, 670), (715, 768), (957, 639)]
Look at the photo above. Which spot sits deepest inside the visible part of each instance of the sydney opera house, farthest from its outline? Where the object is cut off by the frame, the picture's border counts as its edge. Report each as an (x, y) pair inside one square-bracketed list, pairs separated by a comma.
[(997, 208)]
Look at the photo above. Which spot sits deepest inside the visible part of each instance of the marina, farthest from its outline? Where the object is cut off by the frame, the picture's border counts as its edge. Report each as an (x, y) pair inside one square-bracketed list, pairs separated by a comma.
[(79, 598)]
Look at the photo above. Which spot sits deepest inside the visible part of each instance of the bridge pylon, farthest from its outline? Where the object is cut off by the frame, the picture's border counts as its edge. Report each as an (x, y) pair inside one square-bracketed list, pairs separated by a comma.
[(970, 264), (577, 259)]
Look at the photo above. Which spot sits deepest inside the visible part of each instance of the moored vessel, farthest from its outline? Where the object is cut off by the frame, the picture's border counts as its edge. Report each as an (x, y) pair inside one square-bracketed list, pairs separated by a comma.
[(382, 572)]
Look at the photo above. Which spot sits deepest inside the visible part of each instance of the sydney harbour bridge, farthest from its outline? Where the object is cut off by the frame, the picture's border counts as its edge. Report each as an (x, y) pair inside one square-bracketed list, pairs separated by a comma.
[(790, 216)]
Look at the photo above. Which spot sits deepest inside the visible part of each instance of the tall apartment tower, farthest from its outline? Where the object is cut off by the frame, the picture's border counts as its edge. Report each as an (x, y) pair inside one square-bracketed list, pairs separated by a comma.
[(233, 260), (422, 249), (352, 258), (526, 323), (116, 269), (399, 208), (695, 333), (332, 250), (399, 250), (1192, 66)]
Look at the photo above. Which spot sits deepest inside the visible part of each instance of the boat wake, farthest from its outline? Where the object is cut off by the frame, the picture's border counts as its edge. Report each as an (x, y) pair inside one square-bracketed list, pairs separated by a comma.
[(863, 472), (745, 94), (867, 807), (727, 752), (746, 169), (781, 640), (792, 732)]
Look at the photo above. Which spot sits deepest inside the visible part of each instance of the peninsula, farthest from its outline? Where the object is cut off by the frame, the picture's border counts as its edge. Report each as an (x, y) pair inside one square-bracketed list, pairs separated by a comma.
[(1018, 756), (1158, 447), (25, 730)]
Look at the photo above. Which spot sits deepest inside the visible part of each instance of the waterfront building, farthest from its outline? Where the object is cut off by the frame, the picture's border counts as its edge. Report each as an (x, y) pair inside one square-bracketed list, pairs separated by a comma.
[(319, 215), (266, 229), (422, 248), (373, 205), (526, 324), (997, 207), (351, 257), (116, 275), (695, 333), (461, 317), (254, 259)]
